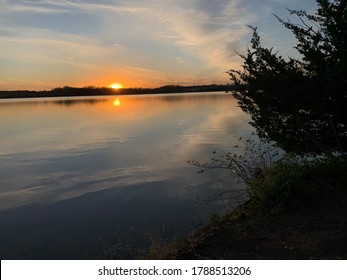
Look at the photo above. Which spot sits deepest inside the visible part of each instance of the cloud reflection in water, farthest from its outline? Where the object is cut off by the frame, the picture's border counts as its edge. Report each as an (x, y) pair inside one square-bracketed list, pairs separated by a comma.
[(125, 163)]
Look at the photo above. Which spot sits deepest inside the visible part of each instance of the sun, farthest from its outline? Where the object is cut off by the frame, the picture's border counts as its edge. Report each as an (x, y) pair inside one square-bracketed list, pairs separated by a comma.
[(116, 86)]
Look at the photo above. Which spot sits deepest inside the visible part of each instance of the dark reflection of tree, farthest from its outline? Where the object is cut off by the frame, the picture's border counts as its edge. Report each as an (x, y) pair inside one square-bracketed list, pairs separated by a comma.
[(72, 102), (62, 102), (176, 98)]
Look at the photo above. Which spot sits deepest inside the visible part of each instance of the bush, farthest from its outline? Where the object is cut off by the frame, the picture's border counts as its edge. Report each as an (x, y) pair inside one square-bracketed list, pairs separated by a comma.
[(291, 183)]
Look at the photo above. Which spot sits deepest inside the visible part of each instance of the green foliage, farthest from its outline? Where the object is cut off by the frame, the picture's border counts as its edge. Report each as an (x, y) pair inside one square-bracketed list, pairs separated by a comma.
[(291, 183), (300, 104)]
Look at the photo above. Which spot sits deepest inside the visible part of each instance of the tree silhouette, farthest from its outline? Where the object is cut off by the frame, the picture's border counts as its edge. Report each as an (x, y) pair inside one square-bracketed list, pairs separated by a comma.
[(300, 103)]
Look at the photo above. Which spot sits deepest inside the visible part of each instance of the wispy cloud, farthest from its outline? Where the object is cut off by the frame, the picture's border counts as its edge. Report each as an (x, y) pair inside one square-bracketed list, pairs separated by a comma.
[(141, 69), (209, 30)]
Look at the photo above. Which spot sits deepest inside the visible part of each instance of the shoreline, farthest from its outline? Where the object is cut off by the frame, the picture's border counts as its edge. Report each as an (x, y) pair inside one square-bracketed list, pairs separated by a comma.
[(91, 91), (308, 221)]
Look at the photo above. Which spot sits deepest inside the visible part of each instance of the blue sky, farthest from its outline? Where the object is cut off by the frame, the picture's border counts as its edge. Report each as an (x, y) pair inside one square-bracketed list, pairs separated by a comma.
[(46, 44)]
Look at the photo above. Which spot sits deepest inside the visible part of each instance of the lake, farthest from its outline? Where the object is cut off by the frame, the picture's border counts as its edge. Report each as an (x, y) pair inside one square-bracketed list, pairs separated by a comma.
[(99, 177)]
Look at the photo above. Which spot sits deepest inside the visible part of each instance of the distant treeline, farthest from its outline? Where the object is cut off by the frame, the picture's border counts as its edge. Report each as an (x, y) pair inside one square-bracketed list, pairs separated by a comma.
[(95, 91)]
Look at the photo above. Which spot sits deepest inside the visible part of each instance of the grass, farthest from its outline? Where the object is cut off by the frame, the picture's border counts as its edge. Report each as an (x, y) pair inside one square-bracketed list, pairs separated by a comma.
[(297, 210)]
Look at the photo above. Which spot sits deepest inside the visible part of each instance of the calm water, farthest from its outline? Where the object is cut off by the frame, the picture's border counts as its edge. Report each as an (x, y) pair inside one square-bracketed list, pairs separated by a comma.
[(80, 174)]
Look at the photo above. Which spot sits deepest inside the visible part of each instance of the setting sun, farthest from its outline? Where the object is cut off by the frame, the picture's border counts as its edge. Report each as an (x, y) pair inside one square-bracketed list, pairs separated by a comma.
[(116, 86)]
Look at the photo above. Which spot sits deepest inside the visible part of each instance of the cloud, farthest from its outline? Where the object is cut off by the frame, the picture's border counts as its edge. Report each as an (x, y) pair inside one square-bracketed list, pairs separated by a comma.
[(183, 62), (30, 6), (205, 29), (141, 69), (148, 34), (40, 46), (196, 27)]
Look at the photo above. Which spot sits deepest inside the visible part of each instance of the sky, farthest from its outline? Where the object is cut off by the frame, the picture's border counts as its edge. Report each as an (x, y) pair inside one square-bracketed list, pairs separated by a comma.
[(52, 43)]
